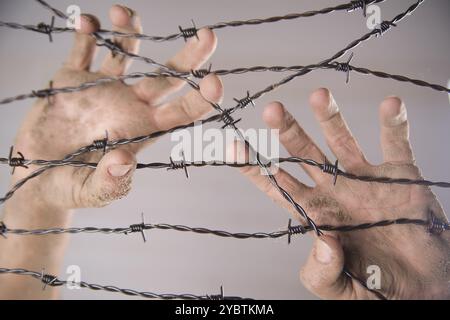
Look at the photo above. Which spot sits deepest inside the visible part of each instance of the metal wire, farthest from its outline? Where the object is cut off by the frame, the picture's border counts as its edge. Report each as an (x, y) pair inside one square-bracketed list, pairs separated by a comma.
[(224, 72), (288, 232), (53, 281), (325, 167), (350, 6)]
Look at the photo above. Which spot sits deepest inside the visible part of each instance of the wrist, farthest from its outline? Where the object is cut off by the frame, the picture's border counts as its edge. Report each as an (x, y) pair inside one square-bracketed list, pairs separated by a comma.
[(35, 204)]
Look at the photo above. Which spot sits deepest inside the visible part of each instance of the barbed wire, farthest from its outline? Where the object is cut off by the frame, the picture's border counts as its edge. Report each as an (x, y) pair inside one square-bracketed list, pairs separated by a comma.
[(434, 226), (224, 115), (53, 281), (201, 73), (346, 67), (325, 167), (189, 32)]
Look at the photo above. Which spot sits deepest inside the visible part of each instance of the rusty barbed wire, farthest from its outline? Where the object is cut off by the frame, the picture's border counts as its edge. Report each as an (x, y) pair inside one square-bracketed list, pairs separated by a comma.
[(53, 281), (185, 32)]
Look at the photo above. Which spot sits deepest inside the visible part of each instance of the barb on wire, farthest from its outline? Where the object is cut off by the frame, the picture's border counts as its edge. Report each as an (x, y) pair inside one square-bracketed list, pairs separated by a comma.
[(359, 4), (42, 27), (47, 28), (437, 226), (101, 144), (244, 102), (175, 165), (384, 27), (139, 228), (15, 162), (330, 169), (189, 32), (53, 281), (201, 73), (345, 67)]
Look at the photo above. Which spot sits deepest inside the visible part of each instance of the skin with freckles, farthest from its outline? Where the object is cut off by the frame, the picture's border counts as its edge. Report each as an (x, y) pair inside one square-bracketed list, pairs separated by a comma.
[(50, 131), (414, 264)]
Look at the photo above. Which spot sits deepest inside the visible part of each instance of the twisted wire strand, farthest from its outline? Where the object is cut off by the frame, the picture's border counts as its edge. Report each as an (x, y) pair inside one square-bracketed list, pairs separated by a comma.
[(86, 85), (270, 162), (221, 233), (34, 28), (53, 281), (222, 72), (350, 6)]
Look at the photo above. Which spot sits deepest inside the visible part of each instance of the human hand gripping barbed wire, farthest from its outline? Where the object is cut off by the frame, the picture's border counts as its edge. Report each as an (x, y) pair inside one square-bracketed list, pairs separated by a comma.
[(225, 116)]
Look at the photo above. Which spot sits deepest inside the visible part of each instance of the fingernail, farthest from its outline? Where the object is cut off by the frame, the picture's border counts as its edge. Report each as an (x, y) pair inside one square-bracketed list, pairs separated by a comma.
[(119, 170), (323, 252), (398, 111), (129, 11), (91, 19), (88, 17)]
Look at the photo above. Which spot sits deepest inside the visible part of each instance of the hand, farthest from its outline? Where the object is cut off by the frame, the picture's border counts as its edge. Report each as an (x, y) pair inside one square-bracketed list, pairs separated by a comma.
[(50, 131), (414, 264)]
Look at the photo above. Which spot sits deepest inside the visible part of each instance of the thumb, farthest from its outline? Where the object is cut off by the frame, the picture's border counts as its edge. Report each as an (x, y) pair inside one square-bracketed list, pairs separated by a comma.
[(323, 272), (110, 181)]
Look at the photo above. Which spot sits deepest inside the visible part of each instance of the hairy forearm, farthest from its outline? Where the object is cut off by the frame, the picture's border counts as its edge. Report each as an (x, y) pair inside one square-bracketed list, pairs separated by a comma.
[(28, 209)]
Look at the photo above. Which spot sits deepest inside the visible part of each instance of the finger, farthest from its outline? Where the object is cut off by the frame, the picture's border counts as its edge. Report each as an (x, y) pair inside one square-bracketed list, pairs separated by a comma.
[(295, 139), (239, 153), (395, 132), (337, 134), (123, 20), (110, 181), (83, 49), (323, 272), (195, 53), (190, 107)]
